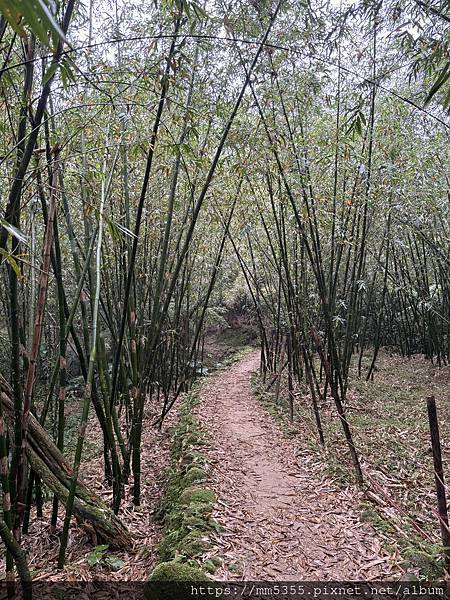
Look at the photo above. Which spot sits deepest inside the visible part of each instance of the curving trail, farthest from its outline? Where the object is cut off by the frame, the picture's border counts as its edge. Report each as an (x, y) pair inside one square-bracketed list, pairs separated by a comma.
[(283, 520)]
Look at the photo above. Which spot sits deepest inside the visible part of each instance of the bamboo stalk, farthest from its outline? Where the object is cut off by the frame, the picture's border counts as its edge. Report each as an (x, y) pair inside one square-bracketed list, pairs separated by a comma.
[(37, 335), (89, 381), (439, 478)]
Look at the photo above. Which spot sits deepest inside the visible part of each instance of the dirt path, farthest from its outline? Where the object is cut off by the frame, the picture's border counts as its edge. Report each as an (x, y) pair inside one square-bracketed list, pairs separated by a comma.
[(282, 519)]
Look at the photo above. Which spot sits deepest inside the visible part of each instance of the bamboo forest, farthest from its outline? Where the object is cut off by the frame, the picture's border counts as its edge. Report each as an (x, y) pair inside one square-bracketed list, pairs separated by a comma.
[(224, 298)]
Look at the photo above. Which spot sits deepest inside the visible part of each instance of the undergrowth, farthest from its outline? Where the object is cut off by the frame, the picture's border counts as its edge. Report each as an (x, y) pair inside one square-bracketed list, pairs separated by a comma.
[(390, 429), (187, 506)]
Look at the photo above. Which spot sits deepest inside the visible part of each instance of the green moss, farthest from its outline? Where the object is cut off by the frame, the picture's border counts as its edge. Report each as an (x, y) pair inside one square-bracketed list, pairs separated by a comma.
[(186, 507), (197, 495), (198, 509), (192, 545), (425, 558), (192, 458), (209, 566), (194, 438), (376, 520), (189, 543), (194, 475), (177, 571), (234, 568), (173, 520), (169, 545), (169, 572), (200, 523), (418, 555)]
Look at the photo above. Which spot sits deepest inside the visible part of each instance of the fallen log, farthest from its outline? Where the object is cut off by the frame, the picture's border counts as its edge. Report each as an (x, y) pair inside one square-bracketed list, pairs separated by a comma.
[(53, 469)]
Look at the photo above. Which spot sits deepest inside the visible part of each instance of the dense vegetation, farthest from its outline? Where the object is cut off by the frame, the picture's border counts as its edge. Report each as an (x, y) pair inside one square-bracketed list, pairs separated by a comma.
[(166, 165)]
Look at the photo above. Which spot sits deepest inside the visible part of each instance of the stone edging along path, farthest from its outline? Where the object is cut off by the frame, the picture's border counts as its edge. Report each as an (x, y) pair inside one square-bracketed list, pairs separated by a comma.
[(187, 505)]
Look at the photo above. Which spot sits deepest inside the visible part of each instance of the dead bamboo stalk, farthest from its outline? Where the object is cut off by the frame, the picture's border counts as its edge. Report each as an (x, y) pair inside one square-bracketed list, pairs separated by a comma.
[(37, 336), (50, 465), (275, 377), (339, 406), (439, 478)]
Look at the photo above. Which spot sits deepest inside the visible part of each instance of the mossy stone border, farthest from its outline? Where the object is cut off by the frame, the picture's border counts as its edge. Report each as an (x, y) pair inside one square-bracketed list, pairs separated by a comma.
[(188, 503)]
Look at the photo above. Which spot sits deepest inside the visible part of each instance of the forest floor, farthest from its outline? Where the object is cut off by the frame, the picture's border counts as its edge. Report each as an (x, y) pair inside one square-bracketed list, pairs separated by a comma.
[(282, 518), (86, 558), (289, 510), (388, 419)]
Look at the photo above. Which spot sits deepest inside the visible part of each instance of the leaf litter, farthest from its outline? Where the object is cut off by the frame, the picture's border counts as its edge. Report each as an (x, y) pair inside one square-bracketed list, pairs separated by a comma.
[(282, 517)]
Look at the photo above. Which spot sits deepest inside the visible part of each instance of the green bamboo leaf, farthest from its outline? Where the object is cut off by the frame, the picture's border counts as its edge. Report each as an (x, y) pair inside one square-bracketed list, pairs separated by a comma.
[(33, 19), (49, 73), (14, 231), (67, 75), (12, 15), (12, 262), (446, 102), (199, 11), (36, 14), (51, 21), (440, 81)]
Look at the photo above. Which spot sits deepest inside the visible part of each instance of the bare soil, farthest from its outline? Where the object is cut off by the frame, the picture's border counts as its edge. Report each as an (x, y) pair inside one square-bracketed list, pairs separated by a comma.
[(282, 518)]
